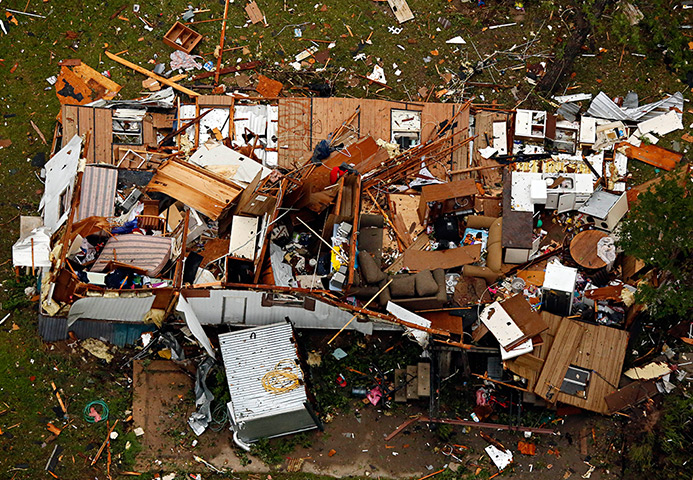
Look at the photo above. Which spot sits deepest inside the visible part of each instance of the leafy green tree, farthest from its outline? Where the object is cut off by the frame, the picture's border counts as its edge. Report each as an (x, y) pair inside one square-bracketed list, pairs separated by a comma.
[(659, 231)]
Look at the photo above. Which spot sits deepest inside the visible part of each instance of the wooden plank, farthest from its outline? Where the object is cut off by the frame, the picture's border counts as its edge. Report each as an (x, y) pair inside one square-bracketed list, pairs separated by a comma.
[(653, 155), (420, 242), (70, 116), (198, 188), (217, 101), (254, 13), (527, 366), (424, 379), (430, 260), (631, 394), (103, 136), (400, 381), (401, 10), (413, 382), (86, 124), (153, 75), (558, 360)]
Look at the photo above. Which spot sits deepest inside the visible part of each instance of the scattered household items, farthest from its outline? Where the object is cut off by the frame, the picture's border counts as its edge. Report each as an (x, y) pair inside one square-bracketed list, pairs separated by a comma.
[(469, 230)]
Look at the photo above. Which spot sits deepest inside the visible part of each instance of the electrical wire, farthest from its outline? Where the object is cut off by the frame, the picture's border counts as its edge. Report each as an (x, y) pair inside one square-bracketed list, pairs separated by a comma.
[(220, 415), (281, 378)]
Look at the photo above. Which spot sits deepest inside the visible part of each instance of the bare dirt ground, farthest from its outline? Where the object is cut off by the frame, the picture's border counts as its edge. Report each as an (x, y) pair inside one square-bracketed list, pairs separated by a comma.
[(163, 401)]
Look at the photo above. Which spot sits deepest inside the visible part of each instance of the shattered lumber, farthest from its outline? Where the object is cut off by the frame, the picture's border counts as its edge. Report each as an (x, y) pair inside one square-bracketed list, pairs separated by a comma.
[(183, 128), (356, 315), (221, 43), (239, 68), (105, 442), (496, 426)]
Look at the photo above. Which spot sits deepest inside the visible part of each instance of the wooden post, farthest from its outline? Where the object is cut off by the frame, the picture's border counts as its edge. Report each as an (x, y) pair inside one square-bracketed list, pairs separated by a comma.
[(32, 257), (221, 44), (355, 315)]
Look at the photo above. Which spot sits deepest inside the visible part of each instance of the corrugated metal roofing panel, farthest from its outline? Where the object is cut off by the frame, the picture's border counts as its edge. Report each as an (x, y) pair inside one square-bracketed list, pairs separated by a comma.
[(250, 354), (93, 329), (603, 107), (122, 309), (52, 329)]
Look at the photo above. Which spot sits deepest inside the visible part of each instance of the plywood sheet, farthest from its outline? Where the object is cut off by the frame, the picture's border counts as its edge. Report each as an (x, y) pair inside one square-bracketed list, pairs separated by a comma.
[(198, 188), (483, 128), (444, 321), (529, 321), (656, 156), (254, 12), (454, 257), (597, 348), (401, 10), (559, 358), (631, 394)]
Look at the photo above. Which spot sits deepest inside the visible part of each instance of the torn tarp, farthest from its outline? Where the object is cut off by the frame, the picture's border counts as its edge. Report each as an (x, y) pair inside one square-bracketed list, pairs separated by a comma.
[(199, 420)]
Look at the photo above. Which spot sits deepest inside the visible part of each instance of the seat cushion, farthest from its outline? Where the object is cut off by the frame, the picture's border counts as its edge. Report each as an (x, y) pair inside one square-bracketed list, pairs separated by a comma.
[(425, 284), (403, 286), (369, 269)]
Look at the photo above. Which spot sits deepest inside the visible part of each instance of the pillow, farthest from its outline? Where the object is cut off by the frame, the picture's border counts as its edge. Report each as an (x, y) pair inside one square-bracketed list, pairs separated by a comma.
[(403, 286), (369, 269), (426, 284)]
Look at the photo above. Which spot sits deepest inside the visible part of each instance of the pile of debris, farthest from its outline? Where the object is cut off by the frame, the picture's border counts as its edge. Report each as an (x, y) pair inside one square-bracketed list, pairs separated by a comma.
[(475, 231)]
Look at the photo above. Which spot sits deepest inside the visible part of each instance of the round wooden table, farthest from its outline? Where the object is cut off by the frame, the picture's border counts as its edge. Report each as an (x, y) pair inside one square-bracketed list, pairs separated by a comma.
[(583, 248)]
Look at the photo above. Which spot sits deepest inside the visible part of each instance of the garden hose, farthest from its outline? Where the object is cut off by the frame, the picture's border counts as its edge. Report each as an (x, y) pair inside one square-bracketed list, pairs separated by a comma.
[(104, 411)]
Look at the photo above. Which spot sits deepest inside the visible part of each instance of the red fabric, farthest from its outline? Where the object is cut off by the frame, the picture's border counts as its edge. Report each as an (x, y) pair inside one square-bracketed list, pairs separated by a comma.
[(335, 174)]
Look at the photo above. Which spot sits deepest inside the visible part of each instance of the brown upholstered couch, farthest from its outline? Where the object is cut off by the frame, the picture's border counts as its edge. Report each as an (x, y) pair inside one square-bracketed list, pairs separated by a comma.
[(420, 291)]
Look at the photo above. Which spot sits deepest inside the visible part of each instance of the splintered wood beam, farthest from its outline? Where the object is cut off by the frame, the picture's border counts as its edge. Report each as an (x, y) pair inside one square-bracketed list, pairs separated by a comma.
[(182, 129), (153, 75), (221, 43)]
